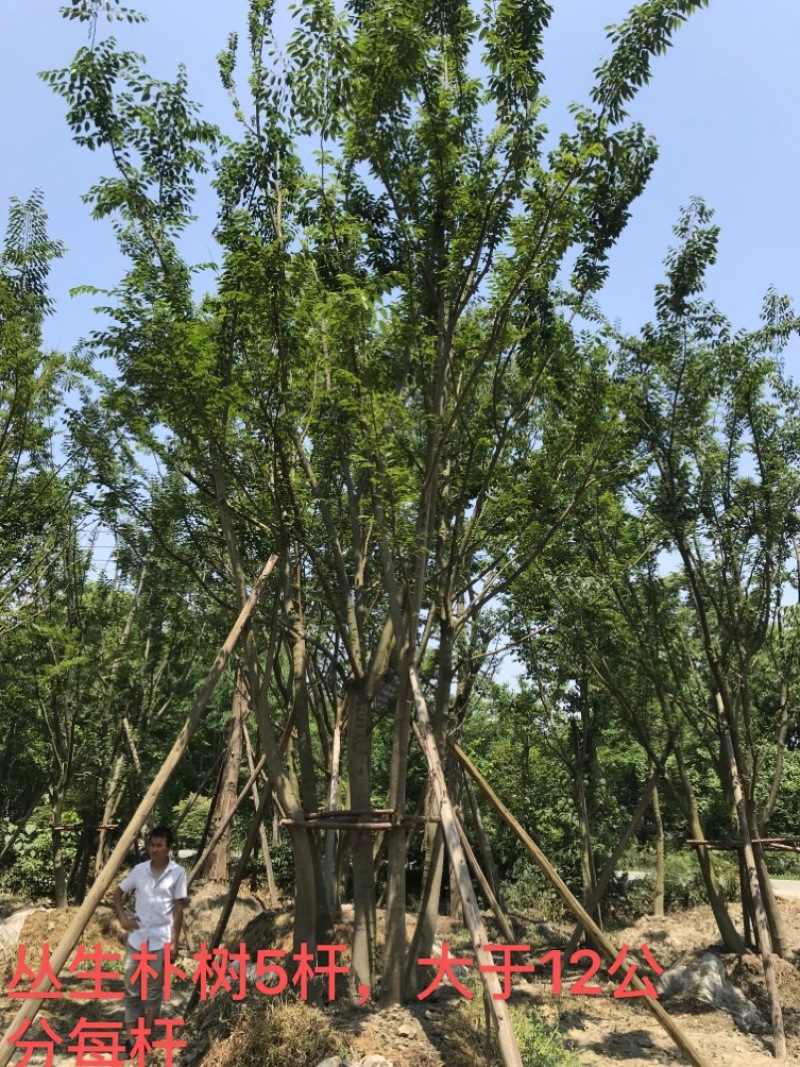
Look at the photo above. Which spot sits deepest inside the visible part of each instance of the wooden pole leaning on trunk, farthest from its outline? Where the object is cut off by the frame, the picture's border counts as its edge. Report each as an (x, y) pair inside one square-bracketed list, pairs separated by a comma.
[(102, 883), (762, 929), (483, 882), (593, 898), (580, 913), (472, 916)]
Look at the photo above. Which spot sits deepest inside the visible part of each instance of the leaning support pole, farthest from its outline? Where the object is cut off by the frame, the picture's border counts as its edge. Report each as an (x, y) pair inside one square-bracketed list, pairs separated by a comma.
[(762, 929), (102, 883), (472, 916), (483, 882), (580, 913)]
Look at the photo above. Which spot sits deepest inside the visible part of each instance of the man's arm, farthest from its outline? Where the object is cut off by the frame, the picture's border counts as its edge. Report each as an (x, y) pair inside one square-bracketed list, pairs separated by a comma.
[(127, 922), (177, 921)]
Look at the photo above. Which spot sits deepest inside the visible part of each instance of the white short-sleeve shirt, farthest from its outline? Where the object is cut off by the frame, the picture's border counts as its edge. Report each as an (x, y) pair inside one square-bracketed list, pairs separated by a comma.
[(155, 897)]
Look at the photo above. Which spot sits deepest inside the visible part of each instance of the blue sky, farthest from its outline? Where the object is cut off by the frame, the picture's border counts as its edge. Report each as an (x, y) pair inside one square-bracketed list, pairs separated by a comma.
[(722, 105)]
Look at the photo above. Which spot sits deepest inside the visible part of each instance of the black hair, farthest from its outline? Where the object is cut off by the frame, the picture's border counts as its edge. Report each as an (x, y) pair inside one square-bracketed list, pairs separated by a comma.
[(162, 831)]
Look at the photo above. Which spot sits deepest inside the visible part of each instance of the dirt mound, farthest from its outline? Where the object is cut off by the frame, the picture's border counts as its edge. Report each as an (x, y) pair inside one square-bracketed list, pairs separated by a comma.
[(747, 972), (46, 926), (206, 901)]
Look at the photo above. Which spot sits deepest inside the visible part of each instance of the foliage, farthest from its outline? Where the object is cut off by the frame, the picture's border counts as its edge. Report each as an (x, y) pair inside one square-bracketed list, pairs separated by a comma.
[(400, 383), (539, 1045), (31, 873)]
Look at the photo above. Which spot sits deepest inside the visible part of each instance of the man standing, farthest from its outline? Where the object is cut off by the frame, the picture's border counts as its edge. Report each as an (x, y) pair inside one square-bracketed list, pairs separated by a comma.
[(160, 887)]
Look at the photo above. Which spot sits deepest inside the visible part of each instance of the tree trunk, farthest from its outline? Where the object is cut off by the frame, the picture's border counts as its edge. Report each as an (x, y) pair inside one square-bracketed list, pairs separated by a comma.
[(425, 930), (218, 861), (334, 790), (428, 914), (59, 866), (274, 898), (772, 911), (762, 929), (685, 796), (114, 793), (658, 899), (308, 777), (396, 940), (359, 758)]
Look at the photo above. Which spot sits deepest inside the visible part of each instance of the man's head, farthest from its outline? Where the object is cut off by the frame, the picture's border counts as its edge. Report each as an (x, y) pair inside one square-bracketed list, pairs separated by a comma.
[(159, 843)]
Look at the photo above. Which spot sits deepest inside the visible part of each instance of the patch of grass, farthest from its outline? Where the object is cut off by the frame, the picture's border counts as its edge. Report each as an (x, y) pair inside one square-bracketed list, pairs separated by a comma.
[(540, 1045), (277, 1033)]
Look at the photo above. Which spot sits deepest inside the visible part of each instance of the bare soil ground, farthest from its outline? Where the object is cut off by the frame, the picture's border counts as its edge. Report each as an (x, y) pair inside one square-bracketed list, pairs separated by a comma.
[(603, 1030), (445, 1030)]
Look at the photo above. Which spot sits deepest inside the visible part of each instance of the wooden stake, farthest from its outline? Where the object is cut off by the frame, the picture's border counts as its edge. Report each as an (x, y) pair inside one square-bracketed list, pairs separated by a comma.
[(580, 913), (102, 883), (472, 916)]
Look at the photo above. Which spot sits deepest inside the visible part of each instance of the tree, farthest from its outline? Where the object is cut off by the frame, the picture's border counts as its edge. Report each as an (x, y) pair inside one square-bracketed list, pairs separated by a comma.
[(386, 369)]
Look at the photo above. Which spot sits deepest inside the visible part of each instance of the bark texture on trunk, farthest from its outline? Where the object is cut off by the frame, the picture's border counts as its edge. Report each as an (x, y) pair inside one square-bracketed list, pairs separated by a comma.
[(219, 858)]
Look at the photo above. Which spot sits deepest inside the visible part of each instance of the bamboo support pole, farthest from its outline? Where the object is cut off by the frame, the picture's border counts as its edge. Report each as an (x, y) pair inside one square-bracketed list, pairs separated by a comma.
[(102, 883), (483, 881), (580, 913), (483, 840), (762, 929), (472, 916), (728, 843), (354, 824)]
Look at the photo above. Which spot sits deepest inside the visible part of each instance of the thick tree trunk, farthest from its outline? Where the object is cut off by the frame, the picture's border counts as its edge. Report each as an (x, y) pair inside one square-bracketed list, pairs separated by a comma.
[(396, 941), (274, 898), (219, 859), (427, 919), (308, 778), (771, 910), (359, 760), (334, 790)]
